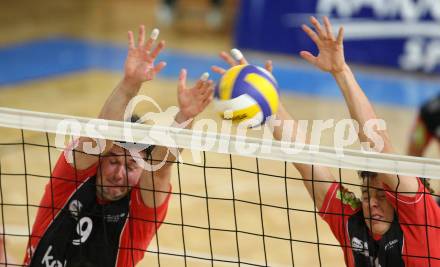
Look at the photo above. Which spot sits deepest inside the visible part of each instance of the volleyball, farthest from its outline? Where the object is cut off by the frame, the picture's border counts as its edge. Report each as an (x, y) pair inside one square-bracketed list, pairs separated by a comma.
[(247, 94)]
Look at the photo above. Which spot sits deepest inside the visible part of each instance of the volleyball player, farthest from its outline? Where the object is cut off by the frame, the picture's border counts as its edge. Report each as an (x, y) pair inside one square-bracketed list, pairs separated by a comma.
[(103, 210), (426, 128), (395, 223)]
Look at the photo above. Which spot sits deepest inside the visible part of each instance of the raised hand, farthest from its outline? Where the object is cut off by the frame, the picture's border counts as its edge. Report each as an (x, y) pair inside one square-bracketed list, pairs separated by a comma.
[(331, 51), (139, 65), (192, 101), (236, 58)]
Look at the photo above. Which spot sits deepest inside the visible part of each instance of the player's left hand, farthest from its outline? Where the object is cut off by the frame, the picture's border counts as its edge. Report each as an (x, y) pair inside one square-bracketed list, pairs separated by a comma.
[(331, 50), (139, 65), (234, 59), (192, 101)]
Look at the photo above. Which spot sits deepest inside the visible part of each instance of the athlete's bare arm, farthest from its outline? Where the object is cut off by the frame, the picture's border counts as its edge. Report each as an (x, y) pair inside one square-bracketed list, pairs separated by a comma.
[(139, 68), (317, 179), (331, 59), (192, 101)]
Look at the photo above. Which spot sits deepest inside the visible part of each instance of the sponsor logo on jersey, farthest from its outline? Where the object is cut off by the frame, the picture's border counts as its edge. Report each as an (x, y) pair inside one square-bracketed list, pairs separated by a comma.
[(75, 207), (348, 198), (359, 246), (49, 260), (114, 218), (391, 244)]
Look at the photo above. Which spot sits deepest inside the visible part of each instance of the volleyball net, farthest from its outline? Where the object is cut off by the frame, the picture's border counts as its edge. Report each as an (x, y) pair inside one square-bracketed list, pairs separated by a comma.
[(235, 200)]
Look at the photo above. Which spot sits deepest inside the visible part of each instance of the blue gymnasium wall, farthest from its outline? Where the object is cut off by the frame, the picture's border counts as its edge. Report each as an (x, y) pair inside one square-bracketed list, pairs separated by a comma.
[(394, 33), (48, 58)]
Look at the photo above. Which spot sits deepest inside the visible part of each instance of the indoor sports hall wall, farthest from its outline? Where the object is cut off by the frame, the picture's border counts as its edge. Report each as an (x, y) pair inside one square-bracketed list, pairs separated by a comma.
[(402, 34)]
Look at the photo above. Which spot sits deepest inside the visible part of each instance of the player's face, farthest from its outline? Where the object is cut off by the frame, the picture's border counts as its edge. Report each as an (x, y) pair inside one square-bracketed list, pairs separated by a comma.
[(378, 212), (117, 173)]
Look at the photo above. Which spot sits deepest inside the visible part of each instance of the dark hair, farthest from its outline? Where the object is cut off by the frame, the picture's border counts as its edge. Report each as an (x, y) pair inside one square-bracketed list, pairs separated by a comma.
[(427, 184), (134, 119), (368, 174)]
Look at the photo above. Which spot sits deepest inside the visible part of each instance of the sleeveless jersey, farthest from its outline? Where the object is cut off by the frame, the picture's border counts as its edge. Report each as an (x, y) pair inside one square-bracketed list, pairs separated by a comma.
[(386, 251), (404, 244)]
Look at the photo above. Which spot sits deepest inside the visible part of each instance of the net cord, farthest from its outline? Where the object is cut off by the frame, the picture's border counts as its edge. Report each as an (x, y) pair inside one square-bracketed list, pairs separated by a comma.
[(195, 140)]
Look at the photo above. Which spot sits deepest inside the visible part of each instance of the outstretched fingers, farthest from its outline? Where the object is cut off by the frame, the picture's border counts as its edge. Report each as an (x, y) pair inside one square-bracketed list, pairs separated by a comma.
[(182, 80), (318, 28), (238, 56), (200, 82), (218, 70), (202, 85), (328, 28), (340, 38), (308, 57), (233, 59), (141, 37), (130, 40), (268, 66), (159, 66), (204, 89), (159, 47), (205, 93), (207, 99), (312, 34), (153, 37), (228, 58)]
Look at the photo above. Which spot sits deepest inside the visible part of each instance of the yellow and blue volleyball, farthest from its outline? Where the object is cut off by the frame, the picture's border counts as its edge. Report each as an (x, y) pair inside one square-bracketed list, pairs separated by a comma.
[(247, 93)]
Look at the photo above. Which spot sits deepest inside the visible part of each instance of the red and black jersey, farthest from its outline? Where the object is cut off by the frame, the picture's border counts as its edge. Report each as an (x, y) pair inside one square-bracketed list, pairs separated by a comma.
[(415, 226), (73, 228)]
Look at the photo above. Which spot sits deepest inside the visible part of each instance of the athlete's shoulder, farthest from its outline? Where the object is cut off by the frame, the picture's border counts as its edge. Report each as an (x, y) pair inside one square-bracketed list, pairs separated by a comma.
[(64, 170), (348, 198), (339, 201)]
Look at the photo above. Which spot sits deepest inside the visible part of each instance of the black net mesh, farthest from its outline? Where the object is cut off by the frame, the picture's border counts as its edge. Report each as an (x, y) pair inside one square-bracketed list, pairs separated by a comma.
[(224, 210)]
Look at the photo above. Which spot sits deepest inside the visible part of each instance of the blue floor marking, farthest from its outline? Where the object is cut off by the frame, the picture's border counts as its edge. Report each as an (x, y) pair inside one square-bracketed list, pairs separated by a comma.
[(42, 59)]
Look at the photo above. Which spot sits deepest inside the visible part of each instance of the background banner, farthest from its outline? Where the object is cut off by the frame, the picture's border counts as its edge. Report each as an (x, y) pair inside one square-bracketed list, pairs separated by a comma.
[(395, 33)]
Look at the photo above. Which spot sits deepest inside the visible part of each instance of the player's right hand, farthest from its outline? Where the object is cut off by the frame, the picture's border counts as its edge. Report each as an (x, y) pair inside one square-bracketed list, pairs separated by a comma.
[(331, 50), (139, 65)]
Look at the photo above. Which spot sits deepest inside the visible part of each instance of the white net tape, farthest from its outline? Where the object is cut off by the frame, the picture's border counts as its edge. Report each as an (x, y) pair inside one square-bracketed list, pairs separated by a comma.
[(220, 143)]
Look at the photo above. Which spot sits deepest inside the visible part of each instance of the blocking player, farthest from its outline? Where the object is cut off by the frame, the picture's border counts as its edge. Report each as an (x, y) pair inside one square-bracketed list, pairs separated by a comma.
[(395, 223), (103, 209), (425, 130)]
